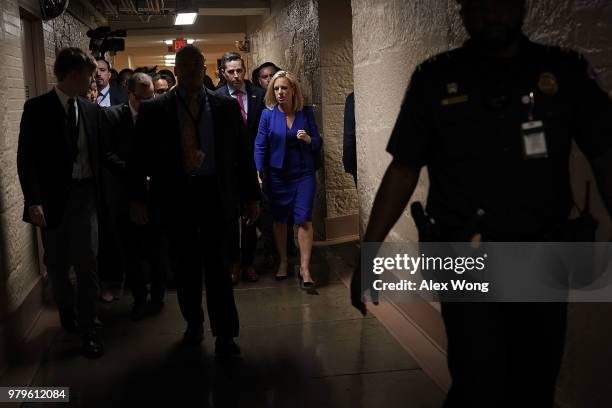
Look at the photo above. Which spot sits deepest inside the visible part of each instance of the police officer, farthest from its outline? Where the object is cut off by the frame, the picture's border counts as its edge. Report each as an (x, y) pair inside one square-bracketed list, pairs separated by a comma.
[(494, 122)]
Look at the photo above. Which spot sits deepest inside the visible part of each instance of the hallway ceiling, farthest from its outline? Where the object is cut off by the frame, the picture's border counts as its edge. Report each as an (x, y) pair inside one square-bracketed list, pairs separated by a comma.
[(219, 25), (138, 14)]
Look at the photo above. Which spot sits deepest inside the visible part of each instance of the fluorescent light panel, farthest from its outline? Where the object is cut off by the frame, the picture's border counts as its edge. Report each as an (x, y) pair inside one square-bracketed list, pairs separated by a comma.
[(185, 18), (170, 42)]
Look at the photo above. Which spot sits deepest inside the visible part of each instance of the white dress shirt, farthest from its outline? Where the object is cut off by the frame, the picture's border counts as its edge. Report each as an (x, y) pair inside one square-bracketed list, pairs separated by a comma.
[(81, 167), (104, 97), (245, 97), (134, 113)]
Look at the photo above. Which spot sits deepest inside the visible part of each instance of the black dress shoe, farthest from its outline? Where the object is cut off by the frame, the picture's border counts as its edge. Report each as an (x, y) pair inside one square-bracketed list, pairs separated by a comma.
[(92, 346), (225, 347), (138, 311), (194, 334), (68, 320)]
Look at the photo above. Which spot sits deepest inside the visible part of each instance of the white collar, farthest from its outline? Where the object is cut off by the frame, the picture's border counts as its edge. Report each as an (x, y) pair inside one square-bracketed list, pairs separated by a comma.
[(64, 98), (232, 89), (105, 90)]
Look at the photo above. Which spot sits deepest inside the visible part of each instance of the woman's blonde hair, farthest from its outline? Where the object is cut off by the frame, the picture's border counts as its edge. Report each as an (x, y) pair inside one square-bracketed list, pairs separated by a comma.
[(298, 98)]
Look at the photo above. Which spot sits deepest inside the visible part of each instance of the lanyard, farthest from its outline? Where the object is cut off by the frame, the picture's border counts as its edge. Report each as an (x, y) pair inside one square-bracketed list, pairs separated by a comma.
[(196, 121), (103, 96)]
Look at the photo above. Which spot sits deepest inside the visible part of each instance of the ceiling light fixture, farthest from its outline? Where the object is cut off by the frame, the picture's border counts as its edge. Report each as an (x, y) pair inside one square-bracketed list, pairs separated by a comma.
[(185, 18)]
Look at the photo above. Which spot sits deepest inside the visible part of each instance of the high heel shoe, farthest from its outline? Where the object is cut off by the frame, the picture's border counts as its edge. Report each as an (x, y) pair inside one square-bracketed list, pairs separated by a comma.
[(305, 285), (278, 277)]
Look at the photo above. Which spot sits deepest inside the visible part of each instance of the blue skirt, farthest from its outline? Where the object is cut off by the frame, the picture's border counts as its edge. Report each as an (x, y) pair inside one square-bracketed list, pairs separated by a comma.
[(291, 193)]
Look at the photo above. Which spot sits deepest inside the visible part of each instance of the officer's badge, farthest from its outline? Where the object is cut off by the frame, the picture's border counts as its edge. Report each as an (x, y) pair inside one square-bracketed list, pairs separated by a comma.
[(452, 88), (548, 83)]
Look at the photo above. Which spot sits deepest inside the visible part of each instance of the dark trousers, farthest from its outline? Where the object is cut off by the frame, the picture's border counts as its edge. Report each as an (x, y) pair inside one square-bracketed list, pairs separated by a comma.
[(197, 239), (112, 256), (504, 354), (75, 243), (248, 243), (147, 250), (266, 227)]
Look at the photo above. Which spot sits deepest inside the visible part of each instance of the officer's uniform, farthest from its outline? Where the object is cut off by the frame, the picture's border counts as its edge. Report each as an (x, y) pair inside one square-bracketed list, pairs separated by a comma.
[(496, 134)]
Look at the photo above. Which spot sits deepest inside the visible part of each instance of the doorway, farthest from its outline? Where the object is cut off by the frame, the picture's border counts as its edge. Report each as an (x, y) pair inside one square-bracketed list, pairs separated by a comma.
[(34, 79)]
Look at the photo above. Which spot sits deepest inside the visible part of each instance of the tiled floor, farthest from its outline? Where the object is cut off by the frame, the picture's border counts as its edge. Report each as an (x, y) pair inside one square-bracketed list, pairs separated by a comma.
[(298, 350)]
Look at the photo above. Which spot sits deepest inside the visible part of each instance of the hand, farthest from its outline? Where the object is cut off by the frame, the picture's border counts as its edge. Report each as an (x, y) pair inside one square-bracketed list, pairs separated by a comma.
[(359, 287), (37, 215), (260, 178), (139, 213), (356, 291), (302, 135), (251, 212)]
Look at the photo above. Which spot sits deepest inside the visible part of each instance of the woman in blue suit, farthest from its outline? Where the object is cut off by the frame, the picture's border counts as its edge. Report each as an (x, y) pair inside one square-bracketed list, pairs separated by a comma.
[(285, 148)]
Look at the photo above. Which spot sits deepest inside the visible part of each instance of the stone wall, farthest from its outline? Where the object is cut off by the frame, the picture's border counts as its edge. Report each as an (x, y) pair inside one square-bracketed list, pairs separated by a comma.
[(335, 31), (390, 37), (314, 40), (19, 271), (289, 37)]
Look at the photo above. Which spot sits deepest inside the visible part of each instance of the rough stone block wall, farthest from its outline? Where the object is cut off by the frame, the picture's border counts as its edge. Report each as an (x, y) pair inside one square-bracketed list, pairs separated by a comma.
[(289, 37), (19, 266), (19, 270), (335, 31), (63, 31), (390, 37)]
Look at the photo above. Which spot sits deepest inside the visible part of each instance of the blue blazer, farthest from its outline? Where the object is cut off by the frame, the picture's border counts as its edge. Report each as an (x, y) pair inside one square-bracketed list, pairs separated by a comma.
[(272, 135)]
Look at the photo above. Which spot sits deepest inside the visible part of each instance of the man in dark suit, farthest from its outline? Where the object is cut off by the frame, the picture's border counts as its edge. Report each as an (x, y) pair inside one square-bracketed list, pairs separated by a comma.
[(193, 145), (250, 99), (108, 94), (129, 244), (58, 165)]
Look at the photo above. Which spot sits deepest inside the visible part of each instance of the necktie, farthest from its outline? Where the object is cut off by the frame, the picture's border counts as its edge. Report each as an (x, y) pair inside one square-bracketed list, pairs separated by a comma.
[(238, 94), (72, 127), (192, 155), (102, 98)]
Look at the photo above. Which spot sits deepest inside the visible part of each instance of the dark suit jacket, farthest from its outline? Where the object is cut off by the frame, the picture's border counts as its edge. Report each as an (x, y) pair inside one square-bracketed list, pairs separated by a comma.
[(208, 83), (44, 162), (157, 152), (255, 96), (118, 136), (118, 95)]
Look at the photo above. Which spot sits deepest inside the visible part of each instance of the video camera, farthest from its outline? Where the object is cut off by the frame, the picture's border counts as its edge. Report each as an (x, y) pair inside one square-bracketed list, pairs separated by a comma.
[(104, 40)]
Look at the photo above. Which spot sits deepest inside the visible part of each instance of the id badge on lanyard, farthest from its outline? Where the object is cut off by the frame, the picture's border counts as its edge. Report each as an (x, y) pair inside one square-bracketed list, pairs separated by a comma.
[(533, 134)]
